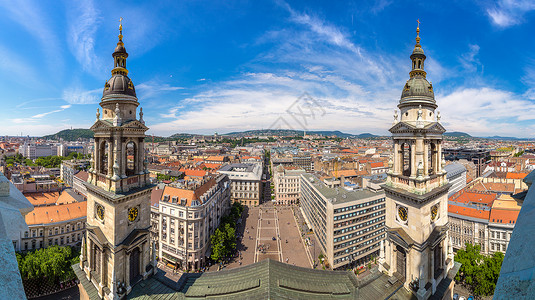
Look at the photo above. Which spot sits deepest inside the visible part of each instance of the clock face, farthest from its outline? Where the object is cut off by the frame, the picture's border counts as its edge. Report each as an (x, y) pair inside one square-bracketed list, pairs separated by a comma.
[(402, 213), (434, 212), (132, 214), (100, 211)]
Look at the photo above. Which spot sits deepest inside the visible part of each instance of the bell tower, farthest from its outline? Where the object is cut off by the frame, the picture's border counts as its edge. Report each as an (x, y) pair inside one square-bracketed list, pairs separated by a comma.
[(117, 251), (416, 188)]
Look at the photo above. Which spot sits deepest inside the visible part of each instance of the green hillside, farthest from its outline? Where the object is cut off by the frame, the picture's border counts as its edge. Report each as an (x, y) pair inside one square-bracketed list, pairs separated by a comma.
[(71, 134)]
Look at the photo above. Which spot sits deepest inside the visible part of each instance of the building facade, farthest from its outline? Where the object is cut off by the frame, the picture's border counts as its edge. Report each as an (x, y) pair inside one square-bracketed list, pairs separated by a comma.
[(187, 218), (287, 185), (456, 175), (416, 190), (349, 225), (33, 150), (118, 252), (245, 181), (69, 168), (49, 225)]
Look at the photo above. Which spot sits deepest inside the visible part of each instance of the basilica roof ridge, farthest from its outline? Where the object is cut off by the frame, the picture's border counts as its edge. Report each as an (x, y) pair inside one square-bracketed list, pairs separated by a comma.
[(119, 84), (417, 88)]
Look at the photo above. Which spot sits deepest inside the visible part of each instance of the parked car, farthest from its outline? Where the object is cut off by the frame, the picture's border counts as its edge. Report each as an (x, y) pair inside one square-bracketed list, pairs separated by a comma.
[(462, 298), (470, 298), (455, 296)]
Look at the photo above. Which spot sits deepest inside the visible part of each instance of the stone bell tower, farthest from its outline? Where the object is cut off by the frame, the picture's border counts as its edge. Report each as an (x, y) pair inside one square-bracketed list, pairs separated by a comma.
[(416, 188), (117, 252)]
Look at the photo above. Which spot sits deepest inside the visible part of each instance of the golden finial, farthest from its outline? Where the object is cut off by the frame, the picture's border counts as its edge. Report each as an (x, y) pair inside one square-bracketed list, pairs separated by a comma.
[(418, 33), (121, 29)]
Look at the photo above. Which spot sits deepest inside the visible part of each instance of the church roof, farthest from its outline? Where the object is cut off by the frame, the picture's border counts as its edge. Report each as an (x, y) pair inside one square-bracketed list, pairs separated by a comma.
[(119, 84), (270, 279)]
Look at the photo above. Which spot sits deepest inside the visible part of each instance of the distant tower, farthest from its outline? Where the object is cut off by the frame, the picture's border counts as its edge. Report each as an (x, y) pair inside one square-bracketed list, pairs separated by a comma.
[(117, 250), (416, 187)]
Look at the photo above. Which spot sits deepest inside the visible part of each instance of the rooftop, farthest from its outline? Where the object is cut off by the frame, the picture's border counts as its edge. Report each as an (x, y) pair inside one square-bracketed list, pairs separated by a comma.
[(339, 195), (269, 279), (57, 213)]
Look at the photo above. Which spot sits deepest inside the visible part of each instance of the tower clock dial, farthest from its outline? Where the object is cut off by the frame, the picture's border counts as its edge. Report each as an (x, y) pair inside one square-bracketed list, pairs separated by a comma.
[(434, 212), (100, 211), (132, 214), (403, 213)]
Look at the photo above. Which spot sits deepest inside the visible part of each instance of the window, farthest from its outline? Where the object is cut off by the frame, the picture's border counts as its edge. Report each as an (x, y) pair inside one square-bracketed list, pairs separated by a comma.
[(25, 234), (41, 232), (49, 242), (25, 245), (50, 231)]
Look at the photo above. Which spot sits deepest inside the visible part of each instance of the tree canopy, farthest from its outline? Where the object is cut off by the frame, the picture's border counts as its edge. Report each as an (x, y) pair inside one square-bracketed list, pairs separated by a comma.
[(478, 271), (52, 263), (223, 241)]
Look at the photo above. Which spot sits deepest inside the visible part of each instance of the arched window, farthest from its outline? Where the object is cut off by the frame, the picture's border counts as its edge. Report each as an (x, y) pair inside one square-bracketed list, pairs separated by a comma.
[(130, 158), (431, 158), (419, 64), (104, 157)]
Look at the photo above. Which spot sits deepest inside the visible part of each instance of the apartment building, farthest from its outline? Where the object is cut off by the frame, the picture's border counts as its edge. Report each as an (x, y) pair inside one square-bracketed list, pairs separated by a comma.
[(187, 218), (456, 175), (54, 223), (287, 185), (245, 182), (349, 225), (482, 218)]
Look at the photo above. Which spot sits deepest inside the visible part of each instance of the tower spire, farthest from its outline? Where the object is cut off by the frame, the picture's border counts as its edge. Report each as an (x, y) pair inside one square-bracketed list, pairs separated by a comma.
[(418, 35), (120, 30)]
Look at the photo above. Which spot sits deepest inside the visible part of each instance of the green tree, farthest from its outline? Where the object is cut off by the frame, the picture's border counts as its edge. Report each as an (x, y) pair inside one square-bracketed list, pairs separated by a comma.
[(470, 258), (479, 272), (52, 264)]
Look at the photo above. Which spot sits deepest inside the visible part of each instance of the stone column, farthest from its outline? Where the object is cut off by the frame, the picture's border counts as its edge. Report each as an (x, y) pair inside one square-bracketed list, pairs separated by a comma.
[(141, 156), (413, 159), (102, 269), (110, 157), (426, 158), (127, 274), (438, 156)]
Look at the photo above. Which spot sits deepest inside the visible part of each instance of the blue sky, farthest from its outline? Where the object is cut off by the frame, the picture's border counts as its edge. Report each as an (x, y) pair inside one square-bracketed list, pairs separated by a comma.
[(222, 66)]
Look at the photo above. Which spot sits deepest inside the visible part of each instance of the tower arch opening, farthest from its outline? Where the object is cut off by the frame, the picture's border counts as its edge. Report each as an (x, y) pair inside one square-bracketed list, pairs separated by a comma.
[(406, 158), (130, 158), (104, 159)]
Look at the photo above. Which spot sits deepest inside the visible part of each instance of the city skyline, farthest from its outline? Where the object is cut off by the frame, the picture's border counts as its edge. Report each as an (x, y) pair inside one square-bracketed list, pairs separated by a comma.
[(196, 70)]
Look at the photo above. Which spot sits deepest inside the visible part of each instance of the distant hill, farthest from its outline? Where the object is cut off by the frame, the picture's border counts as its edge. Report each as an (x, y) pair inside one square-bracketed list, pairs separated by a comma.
[(71, 134), (507, 138), (290, 132), (457, 134)]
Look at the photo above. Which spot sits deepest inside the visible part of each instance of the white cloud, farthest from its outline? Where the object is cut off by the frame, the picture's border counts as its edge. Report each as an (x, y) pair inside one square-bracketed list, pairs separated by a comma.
[(506, 13), (76, 95), (83, 26), (469, 60), (154, 88), (38, 117), (485, 111), (357, 90)]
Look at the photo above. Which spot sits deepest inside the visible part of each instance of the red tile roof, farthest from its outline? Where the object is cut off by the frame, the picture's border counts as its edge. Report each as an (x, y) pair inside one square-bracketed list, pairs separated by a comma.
[(469, 212), (516, 175), (503, 216), (57, 213), (83, 175), (476, 197)]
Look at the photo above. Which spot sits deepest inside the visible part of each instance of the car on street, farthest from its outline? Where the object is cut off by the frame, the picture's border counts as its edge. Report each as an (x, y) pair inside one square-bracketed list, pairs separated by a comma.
[(455, 296), (273, 238)]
